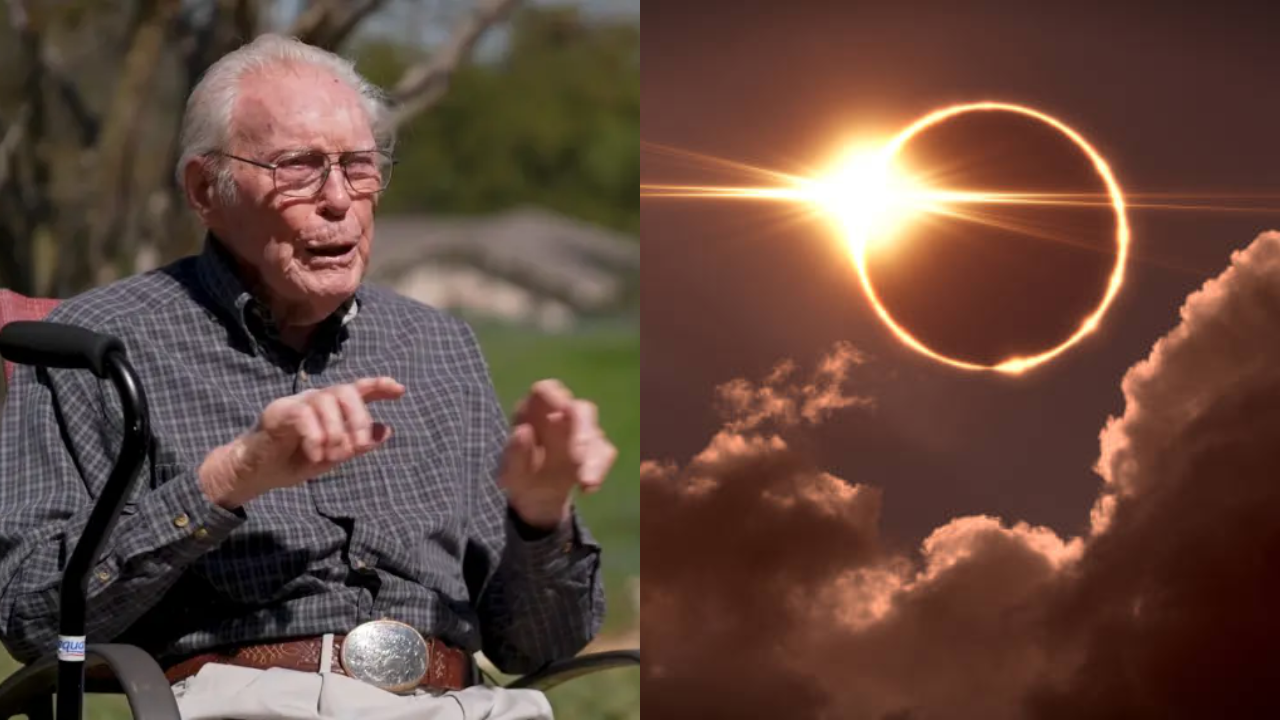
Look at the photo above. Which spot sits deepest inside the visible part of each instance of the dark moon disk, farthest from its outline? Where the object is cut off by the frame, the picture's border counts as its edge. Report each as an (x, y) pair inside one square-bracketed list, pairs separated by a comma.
[(1007, 280)]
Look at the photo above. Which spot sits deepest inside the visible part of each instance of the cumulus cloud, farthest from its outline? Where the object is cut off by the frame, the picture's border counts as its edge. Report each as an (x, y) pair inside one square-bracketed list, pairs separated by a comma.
[(1227, 346), (783, 400), (769, 595), (1173, 602), (732, 539)]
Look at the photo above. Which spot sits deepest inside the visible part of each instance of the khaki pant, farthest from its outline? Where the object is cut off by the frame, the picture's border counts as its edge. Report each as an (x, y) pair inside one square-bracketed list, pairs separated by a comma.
[(227, 692)]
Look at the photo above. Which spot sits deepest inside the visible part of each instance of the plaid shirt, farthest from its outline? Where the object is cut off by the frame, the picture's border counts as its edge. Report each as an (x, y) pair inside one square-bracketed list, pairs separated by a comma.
[(416, 531)]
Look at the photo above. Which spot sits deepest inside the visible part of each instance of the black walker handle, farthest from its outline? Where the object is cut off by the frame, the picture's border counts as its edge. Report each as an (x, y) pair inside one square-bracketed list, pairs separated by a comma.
[(57, 345)]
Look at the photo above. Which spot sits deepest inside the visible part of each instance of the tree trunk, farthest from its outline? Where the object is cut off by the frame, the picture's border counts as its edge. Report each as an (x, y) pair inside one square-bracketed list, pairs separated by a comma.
[(109, 253)]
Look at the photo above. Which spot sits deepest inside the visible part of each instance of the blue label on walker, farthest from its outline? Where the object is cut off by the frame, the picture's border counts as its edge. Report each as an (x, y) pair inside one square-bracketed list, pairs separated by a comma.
[(71, 648)]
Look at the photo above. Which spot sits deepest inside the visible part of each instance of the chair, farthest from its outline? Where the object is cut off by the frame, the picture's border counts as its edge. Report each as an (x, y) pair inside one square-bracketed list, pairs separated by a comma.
[(114, 668), (16, 308)]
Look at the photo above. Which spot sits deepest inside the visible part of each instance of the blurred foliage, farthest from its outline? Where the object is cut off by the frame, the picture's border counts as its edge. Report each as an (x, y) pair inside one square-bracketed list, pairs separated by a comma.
[(91, 95), (553, 123)]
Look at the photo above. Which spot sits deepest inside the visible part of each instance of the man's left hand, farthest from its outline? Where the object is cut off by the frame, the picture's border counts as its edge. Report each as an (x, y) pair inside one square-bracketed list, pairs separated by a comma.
[(556, 445)]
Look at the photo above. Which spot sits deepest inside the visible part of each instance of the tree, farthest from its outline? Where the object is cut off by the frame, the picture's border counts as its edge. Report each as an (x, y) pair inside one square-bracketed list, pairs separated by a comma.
[(554, 122), (89, 121)]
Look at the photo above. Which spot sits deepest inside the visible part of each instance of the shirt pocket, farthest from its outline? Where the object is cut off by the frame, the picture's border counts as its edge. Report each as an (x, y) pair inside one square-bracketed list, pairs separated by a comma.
[(151, 476)]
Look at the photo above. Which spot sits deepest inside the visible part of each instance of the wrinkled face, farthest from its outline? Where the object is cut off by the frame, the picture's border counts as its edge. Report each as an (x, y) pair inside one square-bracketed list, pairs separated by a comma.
[(306, 255)]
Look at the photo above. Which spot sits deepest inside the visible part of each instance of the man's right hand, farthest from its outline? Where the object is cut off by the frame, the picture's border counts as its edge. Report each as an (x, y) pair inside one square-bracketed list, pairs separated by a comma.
[(298, 438)]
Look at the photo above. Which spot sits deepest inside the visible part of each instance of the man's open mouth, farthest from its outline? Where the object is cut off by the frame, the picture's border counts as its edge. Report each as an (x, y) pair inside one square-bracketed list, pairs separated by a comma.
[(332, 251)]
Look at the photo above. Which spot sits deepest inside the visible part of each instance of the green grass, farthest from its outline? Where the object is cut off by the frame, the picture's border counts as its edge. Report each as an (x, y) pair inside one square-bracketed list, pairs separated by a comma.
[(604, 366)]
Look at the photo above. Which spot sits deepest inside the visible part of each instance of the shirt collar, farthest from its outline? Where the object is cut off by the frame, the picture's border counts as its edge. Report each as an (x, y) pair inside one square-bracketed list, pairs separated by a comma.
[(220, 275)]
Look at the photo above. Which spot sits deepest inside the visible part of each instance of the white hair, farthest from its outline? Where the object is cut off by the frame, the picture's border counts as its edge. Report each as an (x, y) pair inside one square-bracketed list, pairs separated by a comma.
[(206, 123)]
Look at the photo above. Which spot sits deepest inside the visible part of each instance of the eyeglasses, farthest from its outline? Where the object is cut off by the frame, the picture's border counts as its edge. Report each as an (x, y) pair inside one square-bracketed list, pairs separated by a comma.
[(304, 173)]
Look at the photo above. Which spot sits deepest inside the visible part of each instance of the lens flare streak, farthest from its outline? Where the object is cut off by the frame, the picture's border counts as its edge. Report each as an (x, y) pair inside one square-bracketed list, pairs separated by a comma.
[(933, 201), (870, 197)]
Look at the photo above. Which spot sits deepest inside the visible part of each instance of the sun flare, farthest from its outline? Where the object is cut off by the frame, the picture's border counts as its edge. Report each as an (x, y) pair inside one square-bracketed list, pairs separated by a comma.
[(868, 196)]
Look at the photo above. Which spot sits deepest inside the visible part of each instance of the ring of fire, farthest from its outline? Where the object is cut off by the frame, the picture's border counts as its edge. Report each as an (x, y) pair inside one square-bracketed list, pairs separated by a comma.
[(1012, 365)]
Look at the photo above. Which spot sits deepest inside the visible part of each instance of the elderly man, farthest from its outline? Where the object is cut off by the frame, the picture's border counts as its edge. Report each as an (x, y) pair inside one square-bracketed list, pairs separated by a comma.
[(331, 475)]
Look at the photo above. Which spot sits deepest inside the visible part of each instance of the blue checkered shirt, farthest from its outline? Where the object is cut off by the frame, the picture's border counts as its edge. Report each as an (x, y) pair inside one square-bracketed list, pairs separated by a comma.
[(416, 531)]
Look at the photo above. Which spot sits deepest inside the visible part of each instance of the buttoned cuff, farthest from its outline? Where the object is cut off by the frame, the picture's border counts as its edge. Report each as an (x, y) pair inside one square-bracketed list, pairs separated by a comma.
[(551, 552), (172, 526), (530, 533), (181, 517), (183, 513)]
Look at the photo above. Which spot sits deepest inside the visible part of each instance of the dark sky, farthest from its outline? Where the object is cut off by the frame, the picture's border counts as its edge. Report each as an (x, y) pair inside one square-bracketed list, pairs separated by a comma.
[(1178, 100)]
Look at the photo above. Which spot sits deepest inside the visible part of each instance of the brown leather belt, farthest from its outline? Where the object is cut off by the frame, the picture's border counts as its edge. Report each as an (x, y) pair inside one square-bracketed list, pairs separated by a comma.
[(446, 668)]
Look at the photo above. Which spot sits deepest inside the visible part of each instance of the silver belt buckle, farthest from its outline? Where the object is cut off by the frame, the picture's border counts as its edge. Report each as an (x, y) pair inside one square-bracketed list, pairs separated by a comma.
[(387, 654)]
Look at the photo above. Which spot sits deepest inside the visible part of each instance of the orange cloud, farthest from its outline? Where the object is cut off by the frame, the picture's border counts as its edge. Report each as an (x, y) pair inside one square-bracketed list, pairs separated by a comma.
[(783, 402)]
